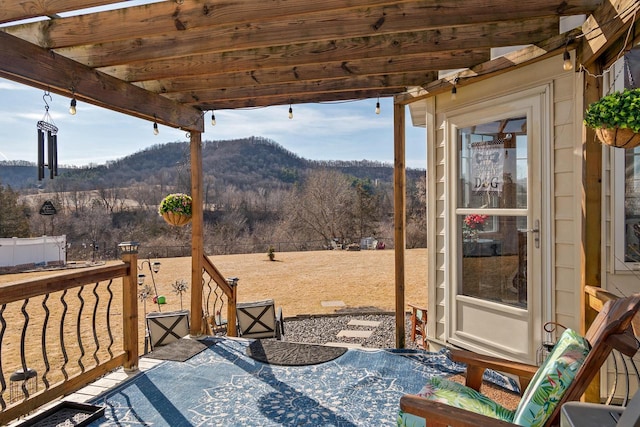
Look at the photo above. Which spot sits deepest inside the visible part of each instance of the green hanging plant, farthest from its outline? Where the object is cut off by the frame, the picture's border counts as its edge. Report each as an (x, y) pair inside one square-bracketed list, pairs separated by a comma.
[(176, 209), (616, 118)]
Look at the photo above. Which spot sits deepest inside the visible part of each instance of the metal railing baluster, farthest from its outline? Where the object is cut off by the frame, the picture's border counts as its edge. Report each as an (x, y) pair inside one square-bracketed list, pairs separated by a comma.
[(23, 337), (45, 358), (63, 368), (96, 341), (111, 340), (79, 328), (3, 382)]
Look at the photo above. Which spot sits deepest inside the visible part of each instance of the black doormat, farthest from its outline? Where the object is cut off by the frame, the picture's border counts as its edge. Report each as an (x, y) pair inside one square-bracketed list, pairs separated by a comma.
[(292, 354), (178, 351), (65, 413)]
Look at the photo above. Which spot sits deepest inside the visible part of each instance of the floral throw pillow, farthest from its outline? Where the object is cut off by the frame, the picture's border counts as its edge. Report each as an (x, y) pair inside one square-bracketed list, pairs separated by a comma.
[(552, 380), (459, 396)]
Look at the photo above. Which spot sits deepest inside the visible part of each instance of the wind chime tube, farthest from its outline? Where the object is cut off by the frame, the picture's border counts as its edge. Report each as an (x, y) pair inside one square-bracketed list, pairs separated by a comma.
[(40, 155), (50, 153), (55, 155)]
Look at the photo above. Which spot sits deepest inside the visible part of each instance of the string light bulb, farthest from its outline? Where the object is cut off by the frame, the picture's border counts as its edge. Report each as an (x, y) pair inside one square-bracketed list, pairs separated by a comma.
[(567, 65), (72, 106), (290, 112), (155, 125), (378, 106), (213, 119)]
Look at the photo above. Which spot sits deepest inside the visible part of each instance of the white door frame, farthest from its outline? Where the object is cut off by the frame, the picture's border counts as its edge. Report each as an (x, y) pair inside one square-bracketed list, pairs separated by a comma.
[(536, 104)]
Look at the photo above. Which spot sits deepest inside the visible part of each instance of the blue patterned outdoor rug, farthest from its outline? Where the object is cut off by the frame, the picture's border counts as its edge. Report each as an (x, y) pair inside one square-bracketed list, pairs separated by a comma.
[(222, 386)]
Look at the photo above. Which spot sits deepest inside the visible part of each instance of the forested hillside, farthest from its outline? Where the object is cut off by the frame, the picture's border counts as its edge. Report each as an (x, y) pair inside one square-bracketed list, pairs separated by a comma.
[(242, 163), (256, 194)]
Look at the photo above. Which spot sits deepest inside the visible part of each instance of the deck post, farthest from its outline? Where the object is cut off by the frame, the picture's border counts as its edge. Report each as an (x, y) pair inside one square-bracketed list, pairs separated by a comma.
[(232, 331), (399, 216), (197, 246), (591, 212), (129, 252)]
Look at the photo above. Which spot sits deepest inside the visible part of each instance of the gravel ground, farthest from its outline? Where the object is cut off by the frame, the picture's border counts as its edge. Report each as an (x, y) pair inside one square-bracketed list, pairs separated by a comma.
[(324, 329)]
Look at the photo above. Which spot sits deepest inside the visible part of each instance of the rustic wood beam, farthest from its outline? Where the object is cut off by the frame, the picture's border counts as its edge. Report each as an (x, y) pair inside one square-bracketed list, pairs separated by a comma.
[(604, 28), (399, 216), (197, 234), (31, 65), (591, 238), (11, 10), (314, 72), (286, 99), (239, 62), (502, 64), (168, 18), (235, 50), (395, 81)]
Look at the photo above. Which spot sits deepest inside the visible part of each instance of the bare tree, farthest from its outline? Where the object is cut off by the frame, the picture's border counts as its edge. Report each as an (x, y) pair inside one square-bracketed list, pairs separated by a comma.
[(323, 206)]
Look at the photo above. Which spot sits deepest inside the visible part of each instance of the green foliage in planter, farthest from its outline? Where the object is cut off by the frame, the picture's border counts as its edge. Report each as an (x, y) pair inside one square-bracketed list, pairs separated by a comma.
[(178, 203), (619, 109)]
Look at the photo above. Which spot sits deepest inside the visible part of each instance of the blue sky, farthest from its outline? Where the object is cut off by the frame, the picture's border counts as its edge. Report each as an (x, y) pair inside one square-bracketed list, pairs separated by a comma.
[(328, 131)]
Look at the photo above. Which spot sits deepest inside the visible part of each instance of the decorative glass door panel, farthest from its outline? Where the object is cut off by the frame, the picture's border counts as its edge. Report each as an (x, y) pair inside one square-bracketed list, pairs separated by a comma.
[(492, 209)]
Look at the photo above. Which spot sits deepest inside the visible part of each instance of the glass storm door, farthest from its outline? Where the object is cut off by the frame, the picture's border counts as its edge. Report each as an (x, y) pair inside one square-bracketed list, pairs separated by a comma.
[(497, 288)]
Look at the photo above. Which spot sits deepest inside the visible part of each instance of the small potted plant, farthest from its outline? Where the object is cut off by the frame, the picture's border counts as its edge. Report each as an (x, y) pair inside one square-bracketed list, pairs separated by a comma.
[(176, 209), (616, 118)]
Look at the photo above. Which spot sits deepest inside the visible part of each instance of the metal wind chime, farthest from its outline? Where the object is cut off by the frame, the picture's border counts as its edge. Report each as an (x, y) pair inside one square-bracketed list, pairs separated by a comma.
[(46, 126)]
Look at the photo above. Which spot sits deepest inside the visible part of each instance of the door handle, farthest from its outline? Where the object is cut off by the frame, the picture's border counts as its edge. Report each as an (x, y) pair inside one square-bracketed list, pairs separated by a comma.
[(536, 233)]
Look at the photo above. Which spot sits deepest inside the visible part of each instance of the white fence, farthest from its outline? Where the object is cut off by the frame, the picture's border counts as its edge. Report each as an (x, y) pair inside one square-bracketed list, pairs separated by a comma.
[(36, 250)]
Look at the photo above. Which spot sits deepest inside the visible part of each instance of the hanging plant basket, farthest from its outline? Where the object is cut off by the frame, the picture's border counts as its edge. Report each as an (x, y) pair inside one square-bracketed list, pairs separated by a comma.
[(176, 219), (618, 137), (176, 209), (615, 119)]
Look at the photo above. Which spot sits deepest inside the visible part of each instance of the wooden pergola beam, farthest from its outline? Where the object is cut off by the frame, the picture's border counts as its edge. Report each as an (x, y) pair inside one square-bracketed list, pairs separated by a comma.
[(399, 216), (244, 50), (295, 90), (12, 10), (26, 63), (286, 99), (602, 29), (170, 18), (502, 64)]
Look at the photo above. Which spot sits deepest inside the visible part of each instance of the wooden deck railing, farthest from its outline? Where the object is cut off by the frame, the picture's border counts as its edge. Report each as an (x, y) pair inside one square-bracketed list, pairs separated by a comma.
[(60, 330), (218, 292), (57, 332)]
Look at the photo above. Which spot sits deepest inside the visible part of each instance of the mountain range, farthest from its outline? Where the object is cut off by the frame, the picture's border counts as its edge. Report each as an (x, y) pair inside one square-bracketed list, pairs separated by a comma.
[(243, 163)]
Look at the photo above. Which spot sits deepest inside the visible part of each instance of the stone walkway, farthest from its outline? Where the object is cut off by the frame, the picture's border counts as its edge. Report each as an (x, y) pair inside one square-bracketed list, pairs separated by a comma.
[(346, 329)]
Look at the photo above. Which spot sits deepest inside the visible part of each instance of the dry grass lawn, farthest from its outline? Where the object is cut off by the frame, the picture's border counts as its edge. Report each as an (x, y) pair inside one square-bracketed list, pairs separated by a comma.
[(299, 281)]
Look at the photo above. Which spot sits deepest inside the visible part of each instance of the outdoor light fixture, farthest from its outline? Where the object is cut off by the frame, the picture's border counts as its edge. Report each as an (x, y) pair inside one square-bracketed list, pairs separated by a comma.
[(378, 106), (129, 247), (566, 57), (154, 268), (454, 89), (155, 125), (290, 112), (213, 119), (72, 106)]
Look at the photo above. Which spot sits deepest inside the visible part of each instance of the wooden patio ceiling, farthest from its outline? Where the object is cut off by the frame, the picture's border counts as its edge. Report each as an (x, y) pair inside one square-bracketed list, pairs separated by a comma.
[(172, 60)]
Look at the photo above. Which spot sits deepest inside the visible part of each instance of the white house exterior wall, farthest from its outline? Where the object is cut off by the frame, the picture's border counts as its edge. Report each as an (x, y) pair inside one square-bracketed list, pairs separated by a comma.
[(565, 178)]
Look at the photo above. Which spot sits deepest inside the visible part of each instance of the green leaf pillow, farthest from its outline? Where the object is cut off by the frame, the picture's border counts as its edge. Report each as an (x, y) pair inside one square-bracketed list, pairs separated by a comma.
[(457, 395), (552, 380)]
